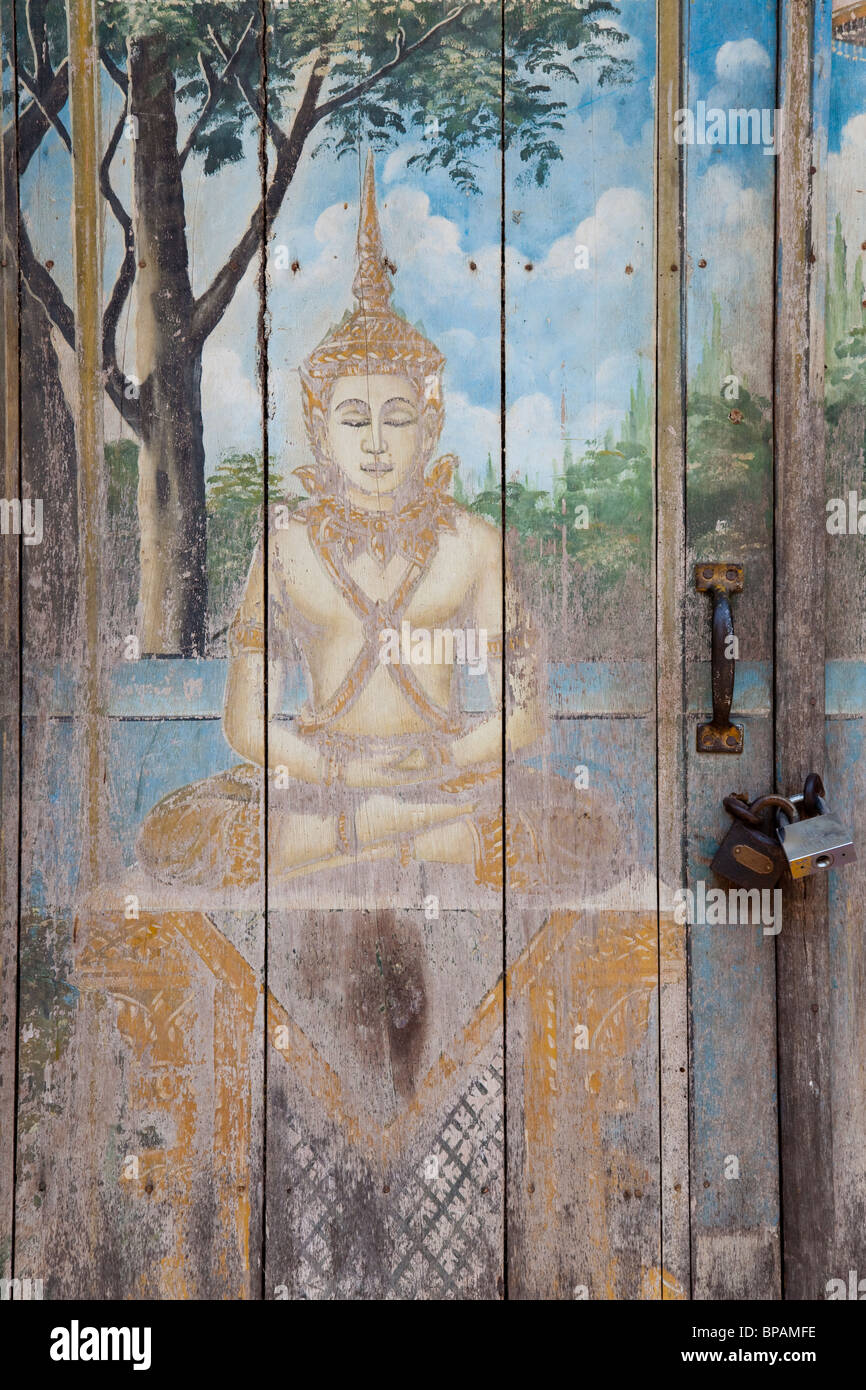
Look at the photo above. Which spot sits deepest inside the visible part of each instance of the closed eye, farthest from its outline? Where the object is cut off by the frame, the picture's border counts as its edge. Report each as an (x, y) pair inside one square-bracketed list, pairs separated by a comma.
[(398, 412)]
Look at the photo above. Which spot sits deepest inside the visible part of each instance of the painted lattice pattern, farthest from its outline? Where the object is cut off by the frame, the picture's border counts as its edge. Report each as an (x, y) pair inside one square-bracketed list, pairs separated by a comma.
[(433, 1221)]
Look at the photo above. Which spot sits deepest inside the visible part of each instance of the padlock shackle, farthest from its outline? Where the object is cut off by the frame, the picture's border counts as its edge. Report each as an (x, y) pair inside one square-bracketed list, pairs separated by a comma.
[(750, 814), (820, 805), (813, 790), (738, 807), (784, 803)]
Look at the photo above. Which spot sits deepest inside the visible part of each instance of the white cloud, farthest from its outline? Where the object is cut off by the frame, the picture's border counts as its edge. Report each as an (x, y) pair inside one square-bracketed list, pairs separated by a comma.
[(452, 285), (396, 164), (532, 437), (618, 233), (739, 54), (231, 405), (731, 227), (745, 76)]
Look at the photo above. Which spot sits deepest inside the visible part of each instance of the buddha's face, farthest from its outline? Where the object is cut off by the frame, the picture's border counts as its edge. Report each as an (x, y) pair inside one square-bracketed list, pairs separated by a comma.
[(375, 431)]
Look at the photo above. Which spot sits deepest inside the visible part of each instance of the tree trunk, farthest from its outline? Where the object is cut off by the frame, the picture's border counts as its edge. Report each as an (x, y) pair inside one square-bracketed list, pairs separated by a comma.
[(171, 497), (49, 469)]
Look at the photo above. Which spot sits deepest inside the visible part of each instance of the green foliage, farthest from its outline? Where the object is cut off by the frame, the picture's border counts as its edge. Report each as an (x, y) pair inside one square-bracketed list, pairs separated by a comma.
[(449, 90), (614, 485), (235, 501), (47, 1009), (846, 375), (844, 311), (121, 467), (729, 445), (846, 333), (730, 454)]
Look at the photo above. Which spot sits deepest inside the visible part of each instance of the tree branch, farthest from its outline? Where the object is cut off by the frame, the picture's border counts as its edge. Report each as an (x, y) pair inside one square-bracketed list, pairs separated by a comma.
[(212, 304), (34, 121), (43, 288), (213, 86), (215, 82), (253, 102), (116, 382), (122, 216), (117, 75), (33, 124), (401, 55), (35, 90), (37, 30)]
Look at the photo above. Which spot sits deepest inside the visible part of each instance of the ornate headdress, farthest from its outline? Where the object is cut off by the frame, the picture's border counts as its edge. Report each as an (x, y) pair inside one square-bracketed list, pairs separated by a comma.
[(371, 338)]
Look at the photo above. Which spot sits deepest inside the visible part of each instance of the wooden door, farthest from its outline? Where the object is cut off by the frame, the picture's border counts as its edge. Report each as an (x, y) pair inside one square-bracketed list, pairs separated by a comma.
[(374, 384)]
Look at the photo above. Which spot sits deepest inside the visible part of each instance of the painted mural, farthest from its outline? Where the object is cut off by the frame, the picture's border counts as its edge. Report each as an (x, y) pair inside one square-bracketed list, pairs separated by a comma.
[(371, 987)]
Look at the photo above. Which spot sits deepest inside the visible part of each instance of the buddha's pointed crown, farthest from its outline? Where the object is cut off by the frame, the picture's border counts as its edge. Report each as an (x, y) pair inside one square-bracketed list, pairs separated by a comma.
[(373, 337)]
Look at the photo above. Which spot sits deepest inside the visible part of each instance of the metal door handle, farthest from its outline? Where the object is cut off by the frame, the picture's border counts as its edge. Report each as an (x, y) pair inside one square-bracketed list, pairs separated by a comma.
[(720, 735)]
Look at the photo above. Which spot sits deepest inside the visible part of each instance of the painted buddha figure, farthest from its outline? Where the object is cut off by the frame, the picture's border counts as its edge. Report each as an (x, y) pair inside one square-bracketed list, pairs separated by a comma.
[(375, 565)]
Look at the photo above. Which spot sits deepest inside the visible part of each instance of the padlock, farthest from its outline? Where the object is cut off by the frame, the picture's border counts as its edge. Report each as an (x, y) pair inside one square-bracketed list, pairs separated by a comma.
[(749, 855), (817, 841)]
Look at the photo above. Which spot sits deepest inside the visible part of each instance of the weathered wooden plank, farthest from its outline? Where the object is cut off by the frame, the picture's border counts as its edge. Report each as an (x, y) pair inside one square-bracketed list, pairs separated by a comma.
[(731, 62), (672, 595), (805, 982), (582, 1027), (143, 1015), (845, 424), (10, 691), (385, 1152), (384, 1080), (49, 630)]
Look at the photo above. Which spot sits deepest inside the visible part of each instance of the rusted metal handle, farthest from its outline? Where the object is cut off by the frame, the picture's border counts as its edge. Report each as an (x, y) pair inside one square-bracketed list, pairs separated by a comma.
[(720, 581)]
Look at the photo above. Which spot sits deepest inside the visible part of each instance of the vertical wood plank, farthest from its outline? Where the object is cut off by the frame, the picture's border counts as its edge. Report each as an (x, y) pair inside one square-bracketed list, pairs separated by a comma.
[(384, 1077), (805, 984), (731, 61), (86, 132), (49, 632), (845, 646), (142, 1027), (671, 599), (10, 692), (585, 954)]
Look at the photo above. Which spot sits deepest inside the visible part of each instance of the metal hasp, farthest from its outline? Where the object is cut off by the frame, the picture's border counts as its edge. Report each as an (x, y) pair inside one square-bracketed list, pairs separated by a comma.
[(720, 735)]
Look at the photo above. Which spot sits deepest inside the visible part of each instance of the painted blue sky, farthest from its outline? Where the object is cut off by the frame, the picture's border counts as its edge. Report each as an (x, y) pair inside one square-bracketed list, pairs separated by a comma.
[(846, 182), (582, 331)]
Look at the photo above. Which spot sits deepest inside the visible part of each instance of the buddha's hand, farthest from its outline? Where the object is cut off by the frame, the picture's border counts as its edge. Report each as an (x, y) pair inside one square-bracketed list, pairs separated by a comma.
[(391, 770)]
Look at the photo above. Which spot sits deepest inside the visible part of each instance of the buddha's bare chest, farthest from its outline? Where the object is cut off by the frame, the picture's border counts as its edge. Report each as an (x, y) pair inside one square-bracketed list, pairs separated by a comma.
[(342, 599)]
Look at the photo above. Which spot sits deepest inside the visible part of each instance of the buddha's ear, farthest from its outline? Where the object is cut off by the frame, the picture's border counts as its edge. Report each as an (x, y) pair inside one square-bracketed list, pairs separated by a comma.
[(441, 473), (309, 478), (433, 418)]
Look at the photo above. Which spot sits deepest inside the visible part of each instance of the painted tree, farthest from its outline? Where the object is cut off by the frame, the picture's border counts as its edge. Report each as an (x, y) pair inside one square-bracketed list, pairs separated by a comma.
[(47, 431), (192, 80)]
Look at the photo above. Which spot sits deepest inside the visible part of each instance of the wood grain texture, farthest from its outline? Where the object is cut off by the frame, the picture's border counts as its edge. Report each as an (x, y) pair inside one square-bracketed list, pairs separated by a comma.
[(285, 1037), (672, 596), (735, 1210), (846, 577), (384, 1158), (385, 1136), (10, 697), (582, 1035), (803, 959), (140, 1083)]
